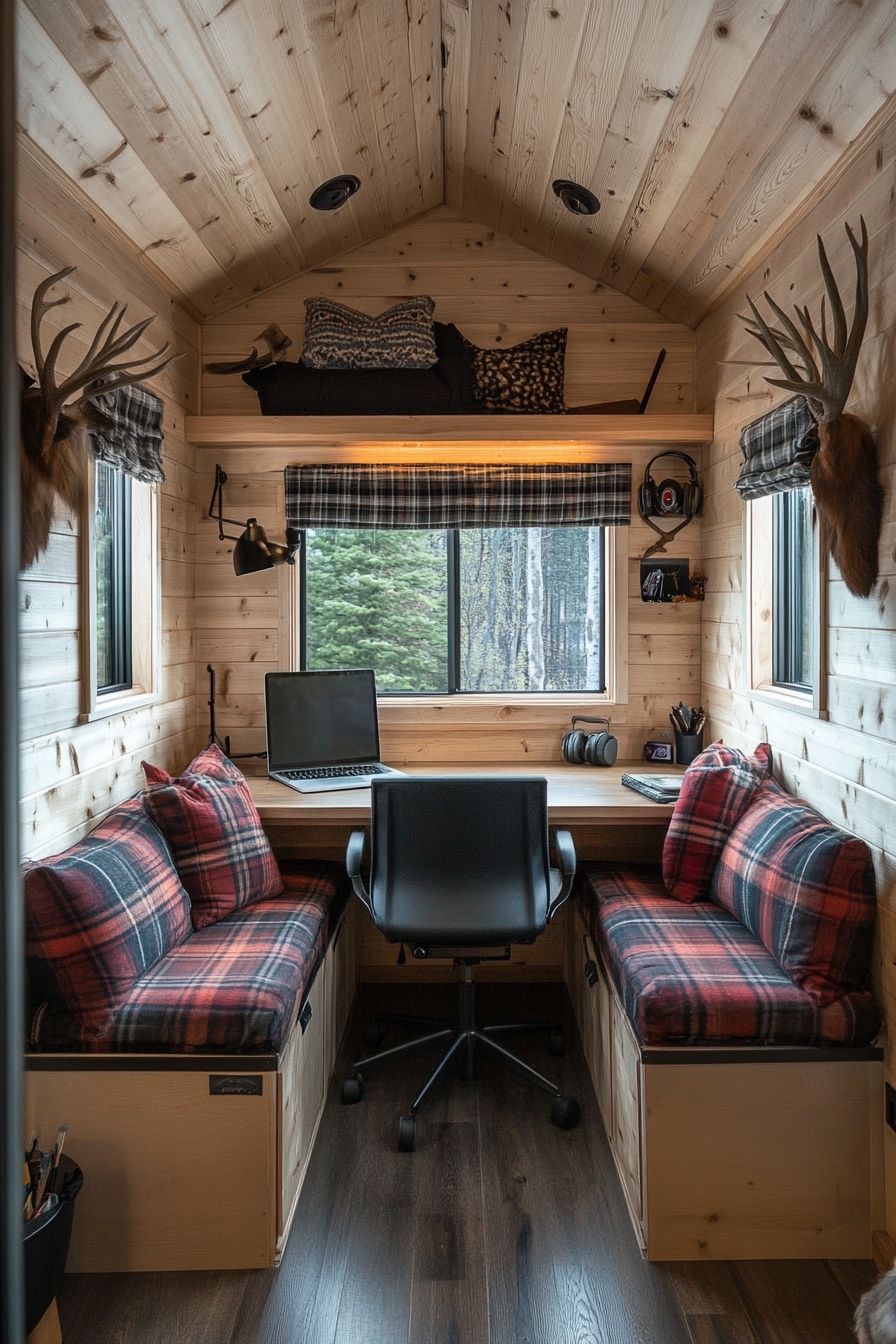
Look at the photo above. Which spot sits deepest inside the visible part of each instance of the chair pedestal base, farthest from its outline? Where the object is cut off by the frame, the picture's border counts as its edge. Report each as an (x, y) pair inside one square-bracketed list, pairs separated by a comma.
[(462, 1043)]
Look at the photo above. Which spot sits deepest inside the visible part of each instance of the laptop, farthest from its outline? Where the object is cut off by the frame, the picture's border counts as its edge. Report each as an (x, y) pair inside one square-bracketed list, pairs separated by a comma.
[(322, 730)]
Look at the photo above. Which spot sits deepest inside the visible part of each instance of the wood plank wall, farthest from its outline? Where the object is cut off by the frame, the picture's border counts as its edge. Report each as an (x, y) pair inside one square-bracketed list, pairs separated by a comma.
[(843, 767), (498, 293), (73, 773)]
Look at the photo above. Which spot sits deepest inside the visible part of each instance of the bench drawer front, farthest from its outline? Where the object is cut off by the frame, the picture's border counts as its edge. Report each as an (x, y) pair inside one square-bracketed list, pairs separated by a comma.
[(302, 1094), (626, 1140)]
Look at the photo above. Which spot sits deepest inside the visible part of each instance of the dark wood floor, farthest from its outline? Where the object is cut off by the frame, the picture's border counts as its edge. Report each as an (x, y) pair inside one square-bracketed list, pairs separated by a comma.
[(499, 1229)]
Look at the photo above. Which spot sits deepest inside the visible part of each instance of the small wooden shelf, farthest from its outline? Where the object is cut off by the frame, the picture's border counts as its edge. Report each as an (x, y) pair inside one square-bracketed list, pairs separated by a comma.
[(459, 438)]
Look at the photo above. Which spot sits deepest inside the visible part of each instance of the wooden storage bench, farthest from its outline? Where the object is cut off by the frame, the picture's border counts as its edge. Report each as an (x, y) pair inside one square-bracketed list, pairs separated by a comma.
[(733, 1152), (195, 1161)]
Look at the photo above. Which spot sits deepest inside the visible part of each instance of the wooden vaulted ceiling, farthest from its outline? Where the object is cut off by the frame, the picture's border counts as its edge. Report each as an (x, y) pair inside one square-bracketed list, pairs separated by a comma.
[(202, 126)]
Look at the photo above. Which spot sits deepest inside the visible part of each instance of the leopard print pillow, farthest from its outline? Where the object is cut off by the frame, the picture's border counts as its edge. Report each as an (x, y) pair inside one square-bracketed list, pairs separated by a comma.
[(527, 379), (339, 337)]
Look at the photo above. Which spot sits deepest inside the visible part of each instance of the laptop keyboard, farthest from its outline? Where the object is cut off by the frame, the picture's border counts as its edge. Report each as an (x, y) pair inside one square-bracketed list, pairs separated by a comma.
[(333, 772)]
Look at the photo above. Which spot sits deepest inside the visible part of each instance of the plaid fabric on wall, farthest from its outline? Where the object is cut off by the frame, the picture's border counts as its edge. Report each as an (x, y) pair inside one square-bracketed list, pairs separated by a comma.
[(693, 975), (132, 443), (778, 450), (442, 495)]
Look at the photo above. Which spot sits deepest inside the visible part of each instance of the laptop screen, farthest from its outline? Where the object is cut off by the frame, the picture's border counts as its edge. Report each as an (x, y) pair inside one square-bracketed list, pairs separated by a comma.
[(320, 718)]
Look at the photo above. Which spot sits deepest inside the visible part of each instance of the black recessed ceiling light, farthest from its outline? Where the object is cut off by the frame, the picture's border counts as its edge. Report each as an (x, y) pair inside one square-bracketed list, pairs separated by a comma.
[(578, 200), (330, 195)]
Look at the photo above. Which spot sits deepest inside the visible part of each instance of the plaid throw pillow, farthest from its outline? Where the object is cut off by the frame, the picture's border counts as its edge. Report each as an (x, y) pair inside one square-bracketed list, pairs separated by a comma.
[(717, 789), (212, 761), (100, 916), (804, 888), (339, 337), (527, 379), (223, 856)]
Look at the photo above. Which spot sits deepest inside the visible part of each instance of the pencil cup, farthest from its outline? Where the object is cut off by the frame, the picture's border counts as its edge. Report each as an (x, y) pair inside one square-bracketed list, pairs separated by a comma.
[(688, 747)]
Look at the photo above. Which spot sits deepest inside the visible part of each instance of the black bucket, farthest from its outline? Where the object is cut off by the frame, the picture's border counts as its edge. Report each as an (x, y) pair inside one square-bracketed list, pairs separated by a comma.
[(46, 1242)]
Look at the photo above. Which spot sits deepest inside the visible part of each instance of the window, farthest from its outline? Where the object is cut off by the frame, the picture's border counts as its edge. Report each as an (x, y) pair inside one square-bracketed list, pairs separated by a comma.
[(785, 599), (491, 610), (113, 580), (120, 653), (793, 572)]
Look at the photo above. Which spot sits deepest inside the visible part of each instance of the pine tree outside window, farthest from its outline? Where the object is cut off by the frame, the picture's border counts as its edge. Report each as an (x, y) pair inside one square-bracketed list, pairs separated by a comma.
[(492, 610)]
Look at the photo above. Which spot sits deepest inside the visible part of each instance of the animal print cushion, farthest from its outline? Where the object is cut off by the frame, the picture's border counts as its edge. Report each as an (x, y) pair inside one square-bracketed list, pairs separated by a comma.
[(339, 337), (527, 379)]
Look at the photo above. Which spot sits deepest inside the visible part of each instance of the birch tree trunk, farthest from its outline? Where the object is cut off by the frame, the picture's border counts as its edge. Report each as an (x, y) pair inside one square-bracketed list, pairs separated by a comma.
[(593, 630), (534, 610)]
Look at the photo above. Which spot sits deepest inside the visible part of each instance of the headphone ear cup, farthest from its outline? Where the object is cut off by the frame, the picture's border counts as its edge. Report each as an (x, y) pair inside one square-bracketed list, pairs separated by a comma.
[(696, 499), (573, 747), (594, 748), (611, 750), (647, 497)]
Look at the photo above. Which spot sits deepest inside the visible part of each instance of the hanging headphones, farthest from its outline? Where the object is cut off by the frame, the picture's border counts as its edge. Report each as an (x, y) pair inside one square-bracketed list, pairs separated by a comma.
[(670, 497), (589, 748)]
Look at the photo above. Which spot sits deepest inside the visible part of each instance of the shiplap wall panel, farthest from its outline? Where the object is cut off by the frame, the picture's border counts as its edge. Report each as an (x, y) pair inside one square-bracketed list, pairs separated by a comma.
[(845, 766), (498, 292), (72, 773)]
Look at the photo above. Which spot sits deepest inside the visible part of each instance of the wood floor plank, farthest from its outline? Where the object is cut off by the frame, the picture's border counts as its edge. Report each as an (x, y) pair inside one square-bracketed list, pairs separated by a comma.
[(855, 1277), (710, 1301), (794, 1301)]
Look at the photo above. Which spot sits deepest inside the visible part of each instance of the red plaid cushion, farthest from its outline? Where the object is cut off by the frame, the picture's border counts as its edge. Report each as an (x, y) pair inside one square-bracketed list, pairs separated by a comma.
[(212, 761), (804, 888), (693, 975), (223, 856), (235, 986), (716, 791), (101, 915)]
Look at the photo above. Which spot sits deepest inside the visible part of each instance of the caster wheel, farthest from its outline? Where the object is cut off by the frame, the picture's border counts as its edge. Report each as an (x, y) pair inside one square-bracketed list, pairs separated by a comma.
[(373, 1036), (557, 1043), (407, 1133), (565, 1112), (352, 1089)]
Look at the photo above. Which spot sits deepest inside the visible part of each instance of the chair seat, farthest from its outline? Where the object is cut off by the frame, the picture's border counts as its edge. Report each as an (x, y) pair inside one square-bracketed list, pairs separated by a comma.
[(232, 987), (693, 975)]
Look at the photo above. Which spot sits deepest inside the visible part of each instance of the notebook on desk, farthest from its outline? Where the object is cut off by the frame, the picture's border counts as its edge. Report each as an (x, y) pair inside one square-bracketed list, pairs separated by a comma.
[(322, 730), (659, 788)]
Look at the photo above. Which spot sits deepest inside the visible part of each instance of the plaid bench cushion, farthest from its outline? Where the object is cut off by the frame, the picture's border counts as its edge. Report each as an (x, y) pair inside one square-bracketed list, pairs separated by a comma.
[(693, 975), (232, 987), (99, 916), (804, 888)]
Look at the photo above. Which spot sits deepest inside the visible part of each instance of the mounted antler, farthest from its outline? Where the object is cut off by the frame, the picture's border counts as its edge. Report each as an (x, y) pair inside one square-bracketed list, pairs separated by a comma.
[(53, 449), (844, 471), (277, 342)]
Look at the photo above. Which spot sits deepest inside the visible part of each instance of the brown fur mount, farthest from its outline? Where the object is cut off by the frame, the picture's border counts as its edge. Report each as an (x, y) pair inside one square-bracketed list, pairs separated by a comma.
[(53, 433), (849, 498)]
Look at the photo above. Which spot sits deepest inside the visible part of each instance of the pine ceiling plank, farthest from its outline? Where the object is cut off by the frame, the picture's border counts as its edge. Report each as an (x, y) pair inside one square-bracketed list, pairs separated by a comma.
[(62, 116), (660, 57), (425, 46), (110, 67), (601, 64), (807, 36), (168, 43), (496, 39), (551, 42), (283, 109), (455, 96), (728, 47), (855, 86)]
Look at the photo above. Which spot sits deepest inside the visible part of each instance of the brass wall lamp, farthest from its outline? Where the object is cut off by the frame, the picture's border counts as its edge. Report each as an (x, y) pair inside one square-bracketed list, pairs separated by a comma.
[(253, 551)]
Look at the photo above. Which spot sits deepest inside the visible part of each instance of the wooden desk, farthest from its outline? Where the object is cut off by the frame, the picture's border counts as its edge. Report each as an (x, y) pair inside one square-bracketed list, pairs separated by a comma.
[(607, 821), (578, 795)]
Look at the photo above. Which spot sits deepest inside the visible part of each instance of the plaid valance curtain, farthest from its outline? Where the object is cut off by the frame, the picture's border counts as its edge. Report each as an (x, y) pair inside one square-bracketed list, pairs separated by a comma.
[(778, 450), (440, 495), (132, 442)]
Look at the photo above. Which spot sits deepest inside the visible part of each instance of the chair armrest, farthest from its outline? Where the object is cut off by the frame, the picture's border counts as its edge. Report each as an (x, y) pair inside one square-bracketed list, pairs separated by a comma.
[(566, 853), (353, 856)]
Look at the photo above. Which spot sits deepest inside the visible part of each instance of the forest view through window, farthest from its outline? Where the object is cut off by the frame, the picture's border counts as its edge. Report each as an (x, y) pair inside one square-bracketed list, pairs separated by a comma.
[(474, 610)]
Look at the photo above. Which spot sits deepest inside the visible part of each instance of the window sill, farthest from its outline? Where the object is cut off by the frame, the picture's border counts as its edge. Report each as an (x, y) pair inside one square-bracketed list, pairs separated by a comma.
[(518, 708), (795, 701), (120, 703)]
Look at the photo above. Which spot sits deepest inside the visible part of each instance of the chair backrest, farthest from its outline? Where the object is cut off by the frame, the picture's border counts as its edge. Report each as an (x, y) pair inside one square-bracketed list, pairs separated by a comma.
[(460, 860)]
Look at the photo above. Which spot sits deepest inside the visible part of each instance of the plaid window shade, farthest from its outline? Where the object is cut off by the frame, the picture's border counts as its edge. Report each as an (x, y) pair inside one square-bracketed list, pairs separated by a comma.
[(132, 440), (778, 450), (440, 495)]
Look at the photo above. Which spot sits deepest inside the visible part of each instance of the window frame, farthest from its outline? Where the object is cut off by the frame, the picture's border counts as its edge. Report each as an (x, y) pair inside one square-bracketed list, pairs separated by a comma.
[(122, 603), (427, 710), (144, 617), (763, 593)]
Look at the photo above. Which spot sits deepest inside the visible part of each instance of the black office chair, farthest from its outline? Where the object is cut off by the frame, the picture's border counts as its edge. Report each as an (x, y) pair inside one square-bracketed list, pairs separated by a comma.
[(460, 869)]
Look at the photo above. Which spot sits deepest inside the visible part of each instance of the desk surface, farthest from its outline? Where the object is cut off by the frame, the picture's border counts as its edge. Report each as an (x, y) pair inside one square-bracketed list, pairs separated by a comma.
[(577, 795)]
